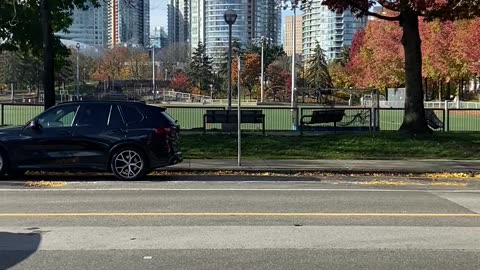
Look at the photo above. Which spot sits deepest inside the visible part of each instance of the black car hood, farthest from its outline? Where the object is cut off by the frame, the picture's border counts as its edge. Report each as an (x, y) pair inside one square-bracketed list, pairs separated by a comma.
[(6, 131)]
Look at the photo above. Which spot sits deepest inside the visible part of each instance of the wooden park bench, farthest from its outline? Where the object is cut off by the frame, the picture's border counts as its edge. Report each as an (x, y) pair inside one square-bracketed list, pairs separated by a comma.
[(230, 117), (320, 117)]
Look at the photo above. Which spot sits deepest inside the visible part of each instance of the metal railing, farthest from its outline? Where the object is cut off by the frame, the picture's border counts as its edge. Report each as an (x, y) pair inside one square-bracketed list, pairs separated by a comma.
[(281, 118)]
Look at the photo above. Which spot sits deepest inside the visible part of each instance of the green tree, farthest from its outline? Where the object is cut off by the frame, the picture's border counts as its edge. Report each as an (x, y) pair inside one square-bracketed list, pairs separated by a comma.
[(20, 30), (317, 74), (344, 56), (200, 69), (237, 48), (271, 52)]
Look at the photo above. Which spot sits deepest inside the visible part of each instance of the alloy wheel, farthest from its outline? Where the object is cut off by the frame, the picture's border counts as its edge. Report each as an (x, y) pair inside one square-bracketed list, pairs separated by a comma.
[(128, 164)]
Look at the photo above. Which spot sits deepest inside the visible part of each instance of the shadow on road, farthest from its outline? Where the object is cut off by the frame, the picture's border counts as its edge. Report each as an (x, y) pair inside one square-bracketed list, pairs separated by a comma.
[(16, 247)]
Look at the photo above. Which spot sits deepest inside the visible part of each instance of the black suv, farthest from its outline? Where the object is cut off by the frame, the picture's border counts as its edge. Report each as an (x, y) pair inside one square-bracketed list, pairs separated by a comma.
[(129, 139)]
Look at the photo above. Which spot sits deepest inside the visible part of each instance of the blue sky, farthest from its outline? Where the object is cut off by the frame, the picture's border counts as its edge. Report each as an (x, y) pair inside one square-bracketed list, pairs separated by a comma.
[(158, 13)]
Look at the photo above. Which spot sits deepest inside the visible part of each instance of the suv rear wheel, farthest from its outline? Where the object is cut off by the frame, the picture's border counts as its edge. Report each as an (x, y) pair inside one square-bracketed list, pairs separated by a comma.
[(3, 163), (129, 163)]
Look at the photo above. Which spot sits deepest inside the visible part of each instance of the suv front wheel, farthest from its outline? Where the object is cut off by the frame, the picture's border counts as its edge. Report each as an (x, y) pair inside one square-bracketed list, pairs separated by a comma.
[(128, 163)]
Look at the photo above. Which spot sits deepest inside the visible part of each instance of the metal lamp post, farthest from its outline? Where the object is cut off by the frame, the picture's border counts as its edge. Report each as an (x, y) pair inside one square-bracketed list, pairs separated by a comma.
[(78, 73), (153, 74), (294, 4), (230, 17), (262, 40)]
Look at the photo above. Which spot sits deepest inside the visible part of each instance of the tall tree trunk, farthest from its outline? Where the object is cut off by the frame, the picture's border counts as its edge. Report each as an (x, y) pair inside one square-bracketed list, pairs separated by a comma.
[(426, 88), (447, 90), (48, 55), (460, 90), (441, 95), (414, 118)]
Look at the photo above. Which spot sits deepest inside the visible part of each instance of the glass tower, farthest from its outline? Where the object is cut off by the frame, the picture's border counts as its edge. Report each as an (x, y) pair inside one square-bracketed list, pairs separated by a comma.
[(88, 27), (255, 18), (331, 30)]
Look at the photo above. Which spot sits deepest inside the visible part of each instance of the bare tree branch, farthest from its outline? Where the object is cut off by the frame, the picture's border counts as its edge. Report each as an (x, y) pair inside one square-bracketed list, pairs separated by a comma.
[(383, 17), (388, 5)]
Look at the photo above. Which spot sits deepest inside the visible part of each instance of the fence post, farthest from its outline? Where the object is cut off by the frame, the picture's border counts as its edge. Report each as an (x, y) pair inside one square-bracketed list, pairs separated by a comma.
[(373, 116), (371, 126), (446, 123), (444, 120), (377, 114), (3, 114), (297, 117)]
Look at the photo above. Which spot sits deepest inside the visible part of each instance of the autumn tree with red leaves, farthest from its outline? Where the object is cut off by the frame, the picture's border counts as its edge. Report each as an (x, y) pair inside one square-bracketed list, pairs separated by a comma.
[(250, 75), (279, 82), (179, 83), (407, 15)]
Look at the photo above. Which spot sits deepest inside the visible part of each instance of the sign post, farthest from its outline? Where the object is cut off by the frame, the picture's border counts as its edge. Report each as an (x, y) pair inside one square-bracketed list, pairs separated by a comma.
[(239, 116)]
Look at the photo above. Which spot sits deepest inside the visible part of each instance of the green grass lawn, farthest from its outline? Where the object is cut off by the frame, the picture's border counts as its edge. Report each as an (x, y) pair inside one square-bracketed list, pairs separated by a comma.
[(383, 145)]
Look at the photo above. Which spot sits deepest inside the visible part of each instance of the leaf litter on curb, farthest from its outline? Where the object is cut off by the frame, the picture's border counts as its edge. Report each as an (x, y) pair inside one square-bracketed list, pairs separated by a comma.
[(45, 184)]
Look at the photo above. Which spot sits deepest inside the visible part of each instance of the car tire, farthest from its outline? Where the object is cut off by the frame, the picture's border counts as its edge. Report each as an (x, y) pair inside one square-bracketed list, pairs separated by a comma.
[(3, 163), (129, 163)]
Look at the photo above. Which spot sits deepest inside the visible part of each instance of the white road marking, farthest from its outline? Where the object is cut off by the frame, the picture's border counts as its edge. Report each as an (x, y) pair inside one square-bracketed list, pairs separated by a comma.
[(234, 189), (470, 201)]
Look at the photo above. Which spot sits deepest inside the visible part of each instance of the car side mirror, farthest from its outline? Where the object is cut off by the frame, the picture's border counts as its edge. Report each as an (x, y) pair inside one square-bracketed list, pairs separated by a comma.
[(35, 125)]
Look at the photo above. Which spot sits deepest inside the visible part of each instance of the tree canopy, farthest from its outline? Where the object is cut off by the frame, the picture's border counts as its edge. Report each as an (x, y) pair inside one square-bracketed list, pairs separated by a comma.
[(200, 68), (407, 13)]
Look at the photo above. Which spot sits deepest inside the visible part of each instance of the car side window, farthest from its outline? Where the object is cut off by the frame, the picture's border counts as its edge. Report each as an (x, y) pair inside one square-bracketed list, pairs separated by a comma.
[(63, 116), (94, 116), (131, 115), (115, 119)]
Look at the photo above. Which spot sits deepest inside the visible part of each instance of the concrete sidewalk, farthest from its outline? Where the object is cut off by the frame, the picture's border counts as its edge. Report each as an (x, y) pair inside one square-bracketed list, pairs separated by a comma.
[(331, 166)]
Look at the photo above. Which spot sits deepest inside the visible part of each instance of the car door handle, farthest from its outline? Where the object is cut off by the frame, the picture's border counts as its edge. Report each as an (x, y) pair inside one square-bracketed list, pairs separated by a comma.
[(118, 130), (64, 133)]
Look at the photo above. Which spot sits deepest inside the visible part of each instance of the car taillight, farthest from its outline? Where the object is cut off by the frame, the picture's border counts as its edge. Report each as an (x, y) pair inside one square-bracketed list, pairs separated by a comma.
[(162, 131)]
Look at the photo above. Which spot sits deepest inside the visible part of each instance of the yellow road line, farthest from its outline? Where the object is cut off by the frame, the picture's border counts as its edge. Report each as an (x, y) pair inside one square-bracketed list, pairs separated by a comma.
[(312, 215)]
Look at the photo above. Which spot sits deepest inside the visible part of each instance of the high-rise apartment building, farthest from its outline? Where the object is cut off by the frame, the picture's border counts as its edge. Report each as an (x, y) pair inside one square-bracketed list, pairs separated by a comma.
[(332, 30), (159, 37), (288, 37), (179, 20), (256, 18), (197, 22), (128, 22), (88, 27)]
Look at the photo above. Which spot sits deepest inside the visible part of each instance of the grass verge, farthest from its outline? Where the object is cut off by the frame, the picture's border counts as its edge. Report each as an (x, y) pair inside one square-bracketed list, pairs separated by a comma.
[(384, 145)]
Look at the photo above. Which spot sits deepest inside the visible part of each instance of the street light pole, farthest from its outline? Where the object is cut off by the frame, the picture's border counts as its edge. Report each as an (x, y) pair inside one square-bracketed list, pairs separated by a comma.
[(230, 17), (262, 74), (294, 52), (294, 4), (153, 74), (78, 72), (229, 70)]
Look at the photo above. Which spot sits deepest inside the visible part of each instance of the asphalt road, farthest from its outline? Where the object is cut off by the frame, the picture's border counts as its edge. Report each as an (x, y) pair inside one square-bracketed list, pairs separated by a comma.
[(238, 223)]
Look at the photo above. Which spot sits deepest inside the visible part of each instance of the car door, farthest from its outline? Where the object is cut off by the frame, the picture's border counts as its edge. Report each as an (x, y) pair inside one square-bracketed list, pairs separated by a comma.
[(98, 127), (49, 144)]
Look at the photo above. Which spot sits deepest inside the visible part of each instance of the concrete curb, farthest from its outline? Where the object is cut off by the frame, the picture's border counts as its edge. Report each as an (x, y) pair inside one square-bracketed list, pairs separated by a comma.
[(319, 171), (329, 166)]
